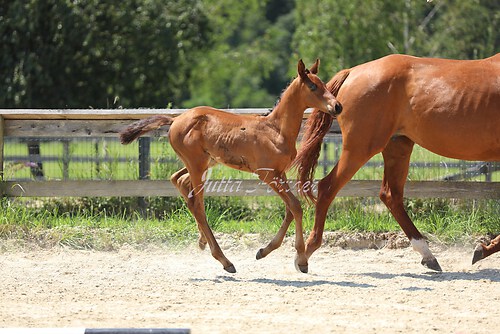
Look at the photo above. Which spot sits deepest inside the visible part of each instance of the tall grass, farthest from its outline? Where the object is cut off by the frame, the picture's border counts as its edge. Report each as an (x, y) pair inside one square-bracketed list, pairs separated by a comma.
[(89, 224)]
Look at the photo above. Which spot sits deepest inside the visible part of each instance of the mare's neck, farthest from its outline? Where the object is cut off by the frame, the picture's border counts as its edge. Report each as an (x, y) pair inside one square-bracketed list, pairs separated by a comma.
[(288, 113)]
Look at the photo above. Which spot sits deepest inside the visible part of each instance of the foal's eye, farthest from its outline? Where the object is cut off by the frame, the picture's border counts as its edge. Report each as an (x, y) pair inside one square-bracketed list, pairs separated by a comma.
[(312, 86)]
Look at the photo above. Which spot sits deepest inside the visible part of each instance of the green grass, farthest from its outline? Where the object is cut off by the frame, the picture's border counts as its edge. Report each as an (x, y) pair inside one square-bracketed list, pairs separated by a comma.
[(102, 225), (160, 149), (108, 223)]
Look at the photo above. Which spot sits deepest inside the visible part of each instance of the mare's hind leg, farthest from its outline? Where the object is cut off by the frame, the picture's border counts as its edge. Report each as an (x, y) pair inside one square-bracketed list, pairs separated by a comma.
[(182, 182), (396, 163), (278, 183), (483, 250)]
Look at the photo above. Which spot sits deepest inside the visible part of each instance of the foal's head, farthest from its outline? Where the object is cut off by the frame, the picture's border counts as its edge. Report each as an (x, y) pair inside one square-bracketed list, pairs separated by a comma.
[(316, 93)]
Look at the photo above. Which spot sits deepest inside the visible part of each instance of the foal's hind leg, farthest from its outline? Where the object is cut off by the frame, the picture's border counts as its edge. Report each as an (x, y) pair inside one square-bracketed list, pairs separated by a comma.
[(483, 250), (396, 163), (197, 207), (182, 182), (278, 183)]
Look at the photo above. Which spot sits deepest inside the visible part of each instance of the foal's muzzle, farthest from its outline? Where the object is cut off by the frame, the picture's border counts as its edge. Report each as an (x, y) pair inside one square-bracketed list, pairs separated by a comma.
[(335, 110)]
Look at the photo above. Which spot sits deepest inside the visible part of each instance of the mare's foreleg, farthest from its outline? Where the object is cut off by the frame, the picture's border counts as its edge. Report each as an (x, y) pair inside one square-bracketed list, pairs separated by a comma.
[(278, 182), (396, 164), (483, 250), (349, 163)]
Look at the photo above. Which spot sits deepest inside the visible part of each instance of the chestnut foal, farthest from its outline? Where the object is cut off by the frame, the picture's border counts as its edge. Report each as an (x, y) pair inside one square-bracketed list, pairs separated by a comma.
[(263, 145)]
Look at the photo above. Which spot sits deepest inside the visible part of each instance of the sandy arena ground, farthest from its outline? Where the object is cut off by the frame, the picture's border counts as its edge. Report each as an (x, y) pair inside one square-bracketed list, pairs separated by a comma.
[(355, 291)]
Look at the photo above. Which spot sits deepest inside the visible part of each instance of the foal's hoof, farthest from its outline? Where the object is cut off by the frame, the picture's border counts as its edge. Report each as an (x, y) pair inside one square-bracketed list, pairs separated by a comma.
[(230, 269), (478, 254), (431, 264), (260, 254), (202, 245), (302, 268)]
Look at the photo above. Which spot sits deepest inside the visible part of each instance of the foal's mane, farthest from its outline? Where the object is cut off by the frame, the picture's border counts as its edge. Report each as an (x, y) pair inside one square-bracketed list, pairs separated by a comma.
[(278, 100)]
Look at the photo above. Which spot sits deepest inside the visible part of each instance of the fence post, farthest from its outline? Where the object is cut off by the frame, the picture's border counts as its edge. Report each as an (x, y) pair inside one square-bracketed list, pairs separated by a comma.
[(325, 158), (1, 146), (144, 167), (34, 156), (489, 171), (65, 159)]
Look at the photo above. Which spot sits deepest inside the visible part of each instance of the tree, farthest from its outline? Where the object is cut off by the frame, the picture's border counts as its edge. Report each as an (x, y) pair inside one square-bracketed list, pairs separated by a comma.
[(248, 63), (347, 33), (465, 29), (69, 54)]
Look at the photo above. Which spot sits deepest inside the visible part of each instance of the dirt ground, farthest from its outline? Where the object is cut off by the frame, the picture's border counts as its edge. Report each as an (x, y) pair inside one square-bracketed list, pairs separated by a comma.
[(346, 290)]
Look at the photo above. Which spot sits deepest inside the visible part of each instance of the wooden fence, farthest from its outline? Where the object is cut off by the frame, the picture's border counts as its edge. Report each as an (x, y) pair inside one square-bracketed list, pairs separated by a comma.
[(64, 124)]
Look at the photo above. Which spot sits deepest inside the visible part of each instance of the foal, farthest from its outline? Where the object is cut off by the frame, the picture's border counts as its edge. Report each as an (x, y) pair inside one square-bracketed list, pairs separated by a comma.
[(263, 145)]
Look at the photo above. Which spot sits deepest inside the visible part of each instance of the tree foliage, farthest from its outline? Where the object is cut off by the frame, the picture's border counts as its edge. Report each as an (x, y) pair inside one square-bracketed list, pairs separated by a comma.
[(61, 53), (225, 53), (247, 66), (350, 32)]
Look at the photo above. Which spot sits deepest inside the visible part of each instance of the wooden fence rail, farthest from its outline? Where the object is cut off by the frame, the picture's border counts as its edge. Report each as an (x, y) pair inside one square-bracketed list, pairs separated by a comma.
[(41, 123)]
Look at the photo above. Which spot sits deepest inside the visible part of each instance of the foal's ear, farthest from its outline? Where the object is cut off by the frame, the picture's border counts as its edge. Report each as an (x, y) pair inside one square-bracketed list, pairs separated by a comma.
[(301, 70), (303, 75), (315, 67)]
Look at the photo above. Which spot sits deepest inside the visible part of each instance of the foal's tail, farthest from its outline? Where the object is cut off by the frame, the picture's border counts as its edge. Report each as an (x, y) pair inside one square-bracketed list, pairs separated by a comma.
[(137, 129), (316, 127)]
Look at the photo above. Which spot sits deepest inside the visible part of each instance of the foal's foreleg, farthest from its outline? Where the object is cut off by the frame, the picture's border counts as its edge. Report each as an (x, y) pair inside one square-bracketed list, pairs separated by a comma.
[(483, 250), (278, 238), (396, 163), (278, 183), (182, 182)]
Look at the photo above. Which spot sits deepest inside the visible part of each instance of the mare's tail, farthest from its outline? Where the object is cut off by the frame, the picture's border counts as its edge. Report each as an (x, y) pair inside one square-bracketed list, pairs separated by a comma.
[(137, 129), (316, 127)]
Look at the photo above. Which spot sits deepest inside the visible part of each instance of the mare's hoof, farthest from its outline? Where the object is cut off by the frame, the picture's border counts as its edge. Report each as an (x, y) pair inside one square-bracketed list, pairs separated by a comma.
[(230, 269), (478, 254), (202, 245), (432, 264)]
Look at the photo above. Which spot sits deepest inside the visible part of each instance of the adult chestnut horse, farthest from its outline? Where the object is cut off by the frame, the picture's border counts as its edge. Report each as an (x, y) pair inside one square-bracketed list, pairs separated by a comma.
[(450, 107), (264, 145)]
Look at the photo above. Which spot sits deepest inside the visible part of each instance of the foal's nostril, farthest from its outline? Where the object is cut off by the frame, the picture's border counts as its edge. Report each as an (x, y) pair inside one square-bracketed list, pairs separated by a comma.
[(338, 108)]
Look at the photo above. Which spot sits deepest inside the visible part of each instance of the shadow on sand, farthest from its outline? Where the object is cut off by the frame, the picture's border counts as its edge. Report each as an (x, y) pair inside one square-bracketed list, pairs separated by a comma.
[(492, 275), (283, 283)]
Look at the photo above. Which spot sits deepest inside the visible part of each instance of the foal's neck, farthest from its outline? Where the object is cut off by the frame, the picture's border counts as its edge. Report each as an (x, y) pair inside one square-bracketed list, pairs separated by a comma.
[(288, 113)]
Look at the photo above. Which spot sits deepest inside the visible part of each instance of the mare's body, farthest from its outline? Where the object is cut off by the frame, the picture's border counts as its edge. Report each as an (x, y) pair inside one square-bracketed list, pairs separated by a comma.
[(450, 107)]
